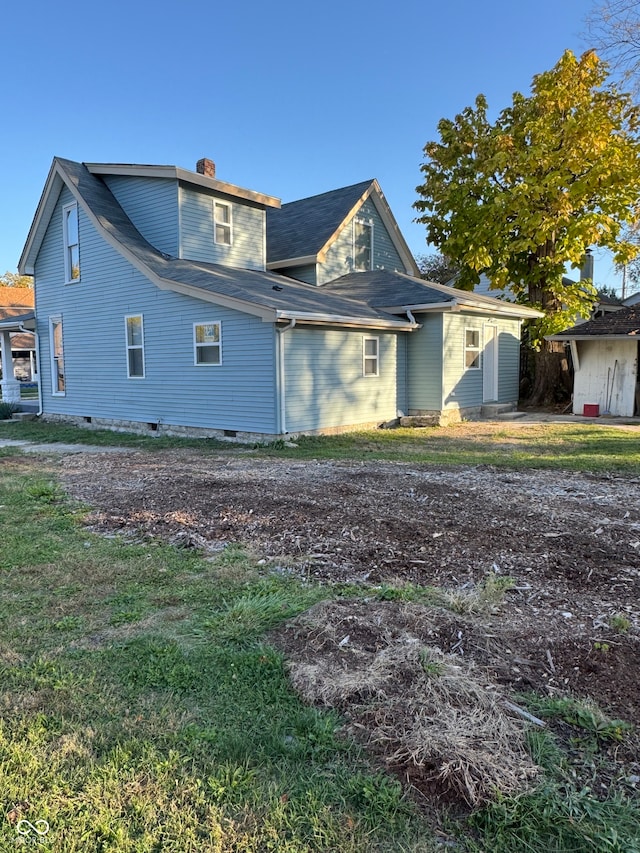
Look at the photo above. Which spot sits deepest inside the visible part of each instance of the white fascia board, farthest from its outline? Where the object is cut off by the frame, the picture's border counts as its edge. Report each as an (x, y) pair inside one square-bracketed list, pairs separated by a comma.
[(322, 254), (451, 305), (400, 244), (293, 262), (508, 309), (14, 326), (570, 338), (54, 183), (178, 174), (338, 320)]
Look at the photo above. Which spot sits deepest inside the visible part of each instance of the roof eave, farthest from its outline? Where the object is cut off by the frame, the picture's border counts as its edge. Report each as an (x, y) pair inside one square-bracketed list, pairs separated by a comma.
[(292, 262), (317, 318), (381, 205), (52, 186), (179, 174), (606, 337)]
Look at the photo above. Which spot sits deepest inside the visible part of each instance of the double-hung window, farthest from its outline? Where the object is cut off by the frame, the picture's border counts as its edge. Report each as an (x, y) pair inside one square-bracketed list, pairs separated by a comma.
[(222, 223), (135, 346), (362, 245), (472, 349), (370, 357), (58, 383), (207, 343), (71, 243)]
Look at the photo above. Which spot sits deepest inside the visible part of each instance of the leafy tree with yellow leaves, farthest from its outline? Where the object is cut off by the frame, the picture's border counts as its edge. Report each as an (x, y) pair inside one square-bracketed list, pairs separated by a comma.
[(523, 197)]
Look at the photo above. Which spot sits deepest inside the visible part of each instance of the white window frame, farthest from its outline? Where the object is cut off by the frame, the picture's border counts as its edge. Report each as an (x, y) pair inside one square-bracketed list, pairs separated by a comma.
[(368, 223), (69, 247), (56, 320), (472, 349), (375, 359), (130, 347), (197, 346), (218, 223)]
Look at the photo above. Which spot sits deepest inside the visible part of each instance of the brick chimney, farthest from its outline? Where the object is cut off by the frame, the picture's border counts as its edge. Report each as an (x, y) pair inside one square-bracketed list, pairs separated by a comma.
[(586, 271), (206, 167)]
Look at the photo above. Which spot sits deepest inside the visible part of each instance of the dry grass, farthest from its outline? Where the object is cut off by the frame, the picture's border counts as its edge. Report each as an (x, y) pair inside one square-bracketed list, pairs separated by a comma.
[(433, 714)]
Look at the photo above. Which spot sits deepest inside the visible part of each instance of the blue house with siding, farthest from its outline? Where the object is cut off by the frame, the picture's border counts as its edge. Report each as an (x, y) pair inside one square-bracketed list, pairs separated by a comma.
[(170, 301)]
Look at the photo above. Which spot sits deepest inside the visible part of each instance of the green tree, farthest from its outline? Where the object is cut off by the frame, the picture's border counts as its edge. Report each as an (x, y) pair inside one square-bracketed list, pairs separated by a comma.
[(13, 279), (520, 199)]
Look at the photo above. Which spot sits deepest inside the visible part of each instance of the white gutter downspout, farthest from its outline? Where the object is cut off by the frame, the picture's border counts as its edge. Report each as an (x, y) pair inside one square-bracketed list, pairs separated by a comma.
[(281, 375)]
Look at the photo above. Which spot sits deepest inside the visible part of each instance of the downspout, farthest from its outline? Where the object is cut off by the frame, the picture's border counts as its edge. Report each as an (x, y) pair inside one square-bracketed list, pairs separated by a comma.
[(412, 320), (281, 375)]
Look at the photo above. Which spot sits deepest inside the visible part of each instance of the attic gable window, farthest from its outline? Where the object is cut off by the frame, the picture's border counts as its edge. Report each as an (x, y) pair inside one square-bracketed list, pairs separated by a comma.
[(71, 243), (362, 245), (222, 223)]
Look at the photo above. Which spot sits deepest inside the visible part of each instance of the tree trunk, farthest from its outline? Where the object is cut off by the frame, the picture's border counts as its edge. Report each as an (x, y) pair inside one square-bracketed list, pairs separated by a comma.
[(552, 379)]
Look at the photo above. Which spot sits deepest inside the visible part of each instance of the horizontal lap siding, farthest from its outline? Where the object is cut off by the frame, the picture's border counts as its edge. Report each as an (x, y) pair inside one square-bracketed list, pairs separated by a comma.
[(339, 260), (152, 205), (424, 358), (464, 388), (509, 361), (237, 395), (196, 232), (324, 384)]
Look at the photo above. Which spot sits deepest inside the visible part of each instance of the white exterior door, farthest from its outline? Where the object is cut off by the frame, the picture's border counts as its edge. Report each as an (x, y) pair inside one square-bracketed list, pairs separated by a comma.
[(490, 365)]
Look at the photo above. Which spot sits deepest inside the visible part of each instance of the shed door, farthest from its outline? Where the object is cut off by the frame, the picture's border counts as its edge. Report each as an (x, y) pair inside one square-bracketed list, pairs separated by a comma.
[(490, 365)]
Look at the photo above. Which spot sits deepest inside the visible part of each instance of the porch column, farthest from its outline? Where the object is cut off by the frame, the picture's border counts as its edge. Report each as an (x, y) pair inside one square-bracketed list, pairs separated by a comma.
[(9, 384)]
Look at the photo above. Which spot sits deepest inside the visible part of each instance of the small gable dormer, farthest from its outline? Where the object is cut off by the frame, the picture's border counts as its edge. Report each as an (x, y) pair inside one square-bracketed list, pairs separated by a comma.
[(347, 230), (192, 215)]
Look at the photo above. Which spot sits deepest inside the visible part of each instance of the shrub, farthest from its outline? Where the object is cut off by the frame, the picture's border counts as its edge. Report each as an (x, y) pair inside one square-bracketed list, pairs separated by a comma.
[(7, 409)]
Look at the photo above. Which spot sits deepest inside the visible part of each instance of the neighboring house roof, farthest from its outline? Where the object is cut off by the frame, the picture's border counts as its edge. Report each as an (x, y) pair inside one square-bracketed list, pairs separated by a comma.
[(264, 294), (617, 324), (397, 292), (15, 301), (302, 231), (23, 341), (16, 309)]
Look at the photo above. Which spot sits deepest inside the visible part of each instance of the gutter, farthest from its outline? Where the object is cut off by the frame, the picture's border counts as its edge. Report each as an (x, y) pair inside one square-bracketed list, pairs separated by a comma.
[(339, 320), (281, 376)]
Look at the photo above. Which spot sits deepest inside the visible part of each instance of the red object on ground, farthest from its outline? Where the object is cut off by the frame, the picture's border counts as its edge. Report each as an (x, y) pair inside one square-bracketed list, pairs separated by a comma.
[(591, 410)]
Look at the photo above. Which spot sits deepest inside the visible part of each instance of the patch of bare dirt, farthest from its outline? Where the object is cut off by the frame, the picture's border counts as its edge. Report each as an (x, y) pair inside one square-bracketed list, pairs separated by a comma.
[(570, 542)]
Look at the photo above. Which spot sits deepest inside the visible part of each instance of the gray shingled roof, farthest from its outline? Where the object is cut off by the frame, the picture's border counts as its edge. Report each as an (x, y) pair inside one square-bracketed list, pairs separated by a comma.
[(265, 289), (384, 289), (623, 323), (301, 228)]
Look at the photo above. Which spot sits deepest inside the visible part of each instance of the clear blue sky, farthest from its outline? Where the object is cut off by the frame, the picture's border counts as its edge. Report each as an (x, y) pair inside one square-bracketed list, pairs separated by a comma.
[(288, 98)]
